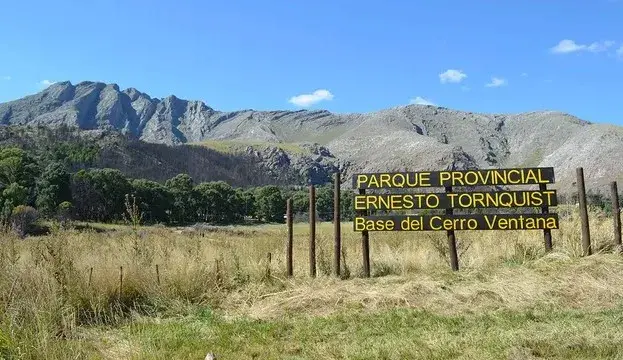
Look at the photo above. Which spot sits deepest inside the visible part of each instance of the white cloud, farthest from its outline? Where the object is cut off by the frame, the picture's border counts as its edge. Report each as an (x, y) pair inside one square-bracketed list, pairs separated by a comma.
[(569, 46), (421, 101), (305, 100), (620, 51), (524, 74), (46, 83), (7, 78), (497, 82), (600, 46), (452, 76)]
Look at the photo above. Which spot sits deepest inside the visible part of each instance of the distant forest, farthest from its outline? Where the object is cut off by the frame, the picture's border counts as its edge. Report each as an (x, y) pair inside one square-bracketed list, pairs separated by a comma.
[(55, 177)]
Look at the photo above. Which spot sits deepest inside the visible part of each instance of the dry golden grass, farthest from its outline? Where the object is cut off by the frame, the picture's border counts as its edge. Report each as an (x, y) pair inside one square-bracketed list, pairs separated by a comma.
[(51, 305)]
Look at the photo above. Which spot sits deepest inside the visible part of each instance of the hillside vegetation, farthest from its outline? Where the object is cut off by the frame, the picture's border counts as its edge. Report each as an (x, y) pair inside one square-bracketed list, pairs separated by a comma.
[(55, 174), (213, 290)]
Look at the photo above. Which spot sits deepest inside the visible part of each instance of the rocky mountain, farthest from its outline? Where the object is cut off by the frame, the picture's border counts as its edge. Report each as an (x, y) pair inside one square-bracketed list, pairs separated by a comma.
[(413, 137)]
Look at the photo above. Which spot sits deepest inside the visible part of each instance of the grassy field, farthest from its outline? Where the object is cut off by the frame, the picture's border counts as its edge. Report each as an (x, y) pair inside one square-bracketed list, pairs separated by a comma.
[(215, 291), (238, 146)]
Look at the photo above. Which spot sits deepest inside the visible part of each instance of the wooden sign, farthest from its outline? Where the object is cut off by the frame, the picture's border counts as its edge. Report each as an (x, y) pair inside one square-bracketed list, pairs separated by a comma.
[(366, 203)]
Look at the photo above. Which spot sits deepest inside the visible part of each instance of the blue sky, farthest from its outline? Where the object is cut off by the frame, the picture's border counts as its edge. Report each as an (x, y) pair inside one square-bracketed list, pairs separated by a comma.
[(340, 55)]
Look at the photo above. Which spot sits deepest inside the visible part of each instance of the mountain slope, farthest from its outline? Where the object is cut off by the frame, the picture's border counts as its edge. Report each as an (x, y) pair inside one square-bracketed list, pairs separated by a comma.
[(410, 137)]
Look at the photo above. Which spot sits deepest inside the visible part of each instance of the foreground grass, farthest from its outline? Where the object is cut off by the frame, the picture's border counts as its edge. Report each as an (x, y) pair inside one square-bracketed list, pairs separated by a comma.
[(390, 334), (186, 293)]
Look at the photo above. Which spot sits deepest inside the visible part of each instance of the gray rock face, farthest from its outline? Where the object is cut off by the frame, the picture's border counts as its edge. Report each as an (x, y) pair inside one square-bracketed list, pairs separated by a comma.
[(413, 137)]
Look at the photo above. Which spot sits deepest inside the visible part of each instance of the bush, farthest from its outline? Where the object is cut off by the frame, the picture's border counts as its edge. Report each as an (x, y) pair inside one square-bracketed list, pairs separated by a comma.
[(63, 212), (22, 219)]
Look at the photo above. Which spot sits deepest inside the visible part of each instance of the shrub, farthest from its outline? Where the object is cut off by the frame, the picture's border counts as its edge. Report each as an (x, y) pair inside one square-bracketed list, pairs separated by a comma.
[(22, 219), (64, 212)]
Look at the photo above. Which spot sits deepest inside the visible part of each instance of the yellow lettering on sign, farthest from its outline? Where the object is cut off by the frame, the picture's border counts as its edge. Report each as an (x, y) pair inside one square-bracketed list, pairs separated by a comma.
[(541, 179), (360, 202), (373, 182), (516, 180), (385, 180), (424, 179), (412, 224), (471, 178), (360, 224), (500, 177), (551, 223), (398, 180), (412, 181), (432, 201), (457, 178), (536, 199), (361, 179), (531, 176)]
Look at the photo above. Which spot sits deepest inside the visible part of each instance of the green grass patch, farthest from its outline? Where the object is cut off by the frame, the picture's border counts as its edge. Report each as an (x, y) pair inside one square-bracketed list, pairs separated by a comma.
[(394, 334), (237, 146)]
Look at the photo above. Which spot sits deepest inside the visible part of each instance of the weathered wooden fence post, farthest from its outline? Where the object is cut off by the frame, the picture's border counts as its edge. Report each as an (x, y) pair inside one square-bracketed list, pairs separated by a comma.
[(547, 233), (337, 222), (158, 274), (616, 213), (586, 234), (268, 263), (290, 242), (365, 243), (219, 276), (454, 256), (120, 281), (312, 231)]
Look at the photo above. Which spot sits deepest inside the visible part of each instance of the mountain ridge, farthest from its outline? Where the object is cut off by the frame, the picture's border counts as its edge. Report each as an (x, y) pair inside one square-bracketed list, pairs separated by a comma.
[(414, 137)]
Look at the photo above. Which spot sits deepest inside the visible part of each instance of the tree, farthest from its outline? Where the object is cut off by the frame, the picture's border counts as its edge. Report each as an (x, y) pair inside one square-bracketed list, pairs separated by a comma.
[(324, 203), (270, 204), (246, 201), (300, 201), (154, 199), (99, 194), (184, 208), (347, 210), (217, 202), (16, 166), (52, 188), (12, 196)]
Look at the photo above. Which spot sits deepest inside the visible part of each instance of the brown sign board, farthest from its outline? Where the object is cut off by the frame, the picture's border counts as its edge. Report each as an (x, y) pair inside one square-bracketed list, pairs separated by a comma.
[(459, 200), (456, 222), (446, 178), (366, 203)]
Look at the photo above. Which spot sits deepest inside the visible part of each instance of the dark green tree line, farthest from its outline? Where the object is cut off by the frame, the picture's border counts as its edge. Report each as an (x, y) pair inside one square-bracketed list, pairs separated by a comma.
[(56, 188)]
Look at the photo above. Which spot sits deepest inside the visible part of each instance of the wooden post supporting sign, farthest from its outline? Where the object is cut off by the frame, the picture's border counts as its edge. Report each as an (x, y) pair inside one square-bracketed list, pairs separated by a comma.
[(616, 213), (454, 256), (365, 243), (547, 233), (290, 242), (337, 222), (586, 234), (312, 231)]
